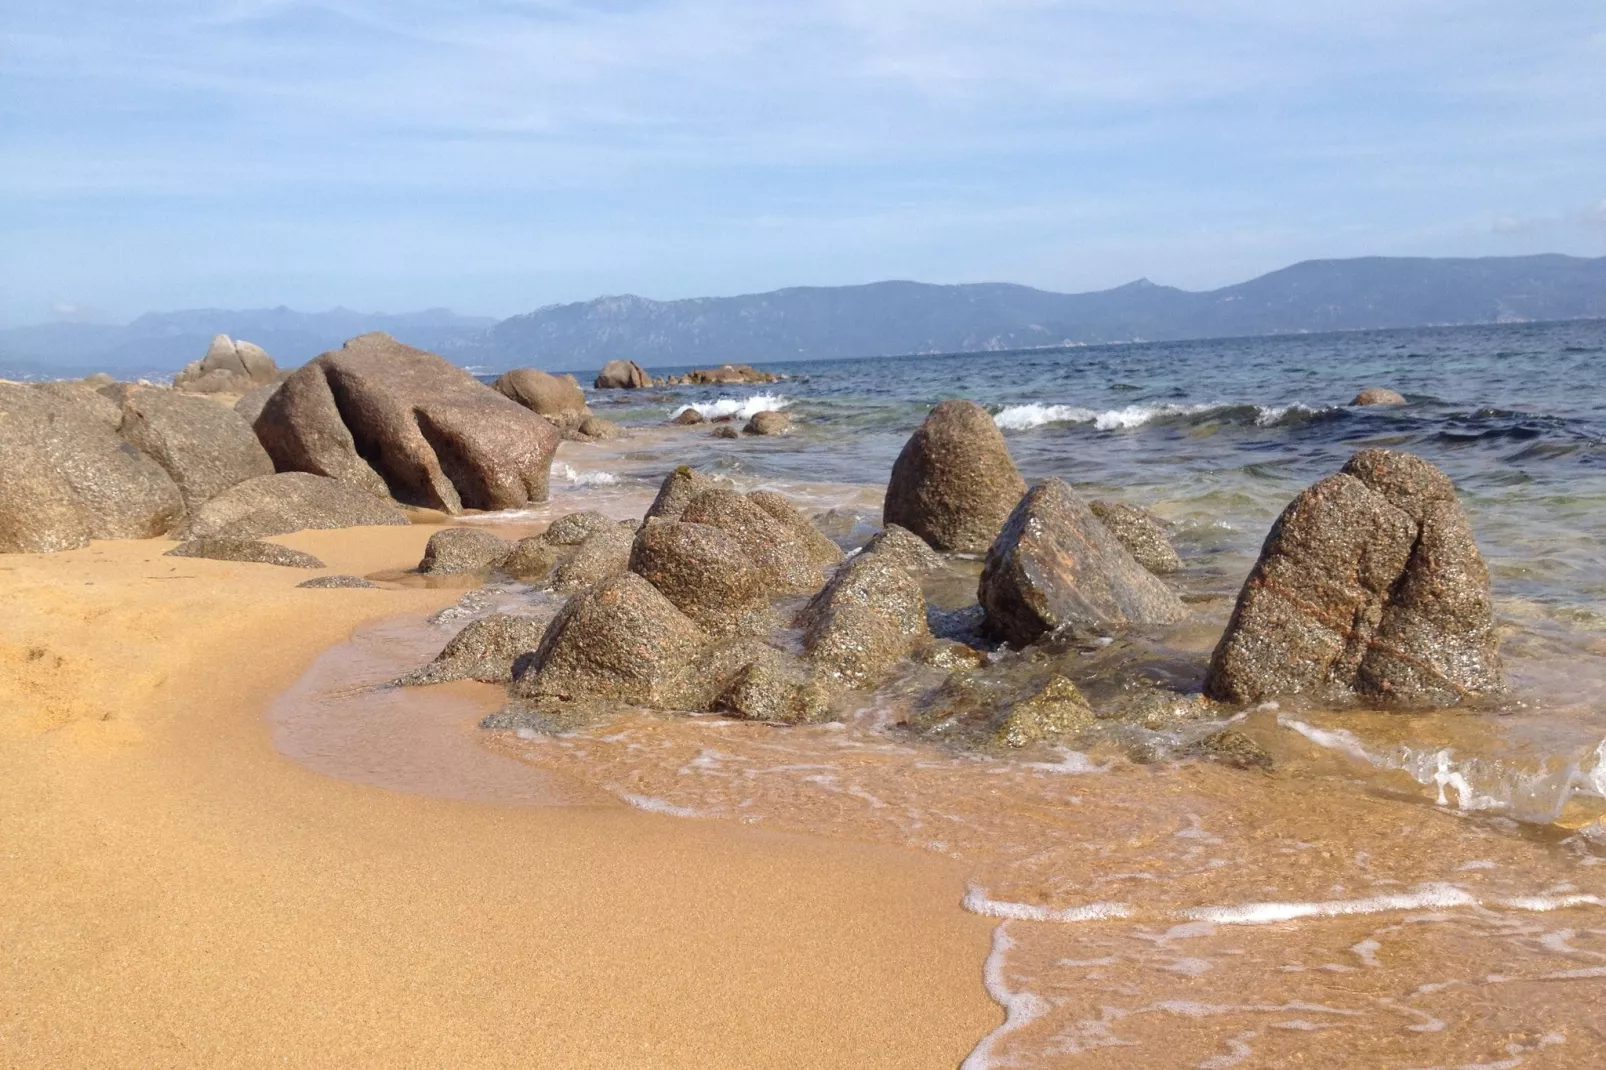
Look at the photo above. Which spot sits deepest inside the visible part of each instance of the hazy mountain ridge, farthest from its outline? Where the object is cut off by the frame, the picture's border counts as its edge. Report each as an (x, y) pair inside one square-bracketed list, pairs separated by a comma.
[(883, 318)]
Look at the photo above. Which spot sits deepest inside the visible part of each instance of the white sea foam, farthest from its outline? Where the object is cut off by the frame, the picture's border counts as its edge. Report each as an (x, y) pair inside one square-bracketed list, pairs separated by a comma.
[(1025, 417), (1020, 1008), (1138, 415), (1430, 896), (655, 805), (583, 479), (741, 408), (977, 902)]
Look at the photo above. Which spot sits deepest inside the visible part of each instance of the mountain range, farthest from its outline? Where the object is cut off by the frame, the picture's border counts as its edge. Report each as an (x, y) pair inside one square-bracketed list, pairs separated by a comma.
[(884, 318)]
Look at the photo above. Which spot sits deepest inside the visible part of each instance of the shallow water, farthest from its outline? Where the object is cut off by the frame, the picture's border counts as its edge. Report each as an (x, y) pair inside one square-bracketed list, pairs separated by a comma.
[(1402, 890)]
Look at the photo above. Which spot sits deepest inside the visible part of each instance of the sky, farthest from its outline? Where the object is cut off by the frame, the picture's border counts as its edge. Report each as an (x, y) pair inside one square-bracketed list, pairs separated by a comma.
[(494, 156)]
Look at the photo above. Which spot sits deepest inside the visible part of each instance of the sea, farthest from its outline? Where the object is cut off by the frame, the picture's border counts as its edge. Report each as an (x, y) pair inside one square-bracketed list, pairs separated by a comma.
[(1400, 889)]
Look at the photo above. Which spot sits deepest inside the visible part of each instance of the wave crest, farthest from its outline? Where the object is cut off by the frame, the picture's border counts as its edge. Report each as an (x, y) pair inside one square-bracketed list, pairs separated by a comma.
[(1034, 415), (741, 408)]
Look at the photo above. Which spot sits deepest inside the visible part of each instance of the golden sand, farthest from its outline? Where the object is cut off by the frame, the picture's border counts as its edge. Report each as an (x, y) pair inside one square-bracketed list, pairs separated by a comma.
[(174, 892)]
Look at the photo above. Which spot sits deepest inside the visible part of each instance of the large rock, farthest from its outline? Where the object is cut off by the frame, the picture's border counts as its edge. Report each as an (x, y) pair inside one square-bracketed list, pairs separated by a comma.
[(229, 367), (676, 492), (253, 401), (1369, 585), (204, 447), (556, 397), (820, 550), (458, 550), (622, 375), (253, 551), (620, 641), (485, 650), (1141, 532), (871, 614), (66, 476), (1055, 564), (286, 502), (704, 571), (391, 418), (954, 484), (781, 555)]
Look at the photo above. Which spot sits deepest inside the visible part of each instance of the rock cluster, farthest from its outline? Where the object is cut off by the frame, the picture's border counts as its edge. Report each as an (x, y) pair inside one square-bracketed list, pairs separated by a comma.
[(229, 367)]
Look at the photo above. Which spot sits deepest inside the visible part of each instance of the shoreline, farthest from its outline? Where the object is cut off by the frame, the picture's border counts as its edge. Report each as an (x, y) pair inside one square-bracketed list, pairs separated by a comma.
[(178, 891)]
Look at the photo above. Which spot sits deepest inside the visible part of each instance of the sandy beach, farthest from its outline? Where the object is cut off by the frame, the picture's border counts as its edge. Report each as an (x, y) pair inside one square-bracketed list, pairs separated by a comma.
[(175, 892)]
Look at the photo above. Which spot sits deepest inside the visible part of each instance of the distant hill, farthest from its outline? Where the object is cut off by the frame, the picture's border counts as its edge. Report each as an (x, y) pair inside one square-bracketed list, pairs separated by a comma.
[(883, 318)]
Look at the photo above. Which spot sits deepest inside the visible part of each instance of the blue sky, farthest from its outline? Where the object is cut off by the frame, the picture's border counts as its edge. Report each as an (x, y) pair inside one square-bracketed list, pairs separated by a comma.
[(497, 156)]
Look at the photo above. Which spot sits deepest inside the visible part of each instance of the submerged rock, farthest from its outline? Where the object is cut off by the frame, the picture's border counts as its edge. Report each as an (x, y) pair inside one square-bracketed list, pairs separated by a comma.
[(774, 686), (338, 582), (954, 484), (204, 447), (252, 551), (622, 375), (726, 431), (1141, 532), (1230, 747), (286, 502), (457, 550), (1370, 585), (400, 421), (1377, 395), (485, 650), (1054, 564), (870, 615), (1058, 709)]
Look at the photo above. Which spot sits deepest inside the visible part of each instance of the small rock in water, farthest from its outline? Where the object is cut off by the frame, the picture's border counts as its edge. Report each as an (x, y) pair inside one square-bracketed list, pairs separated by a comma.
[(622, 375), (458, 550), (485, 650), (777, 687), (768, 422), (689, 417), (1231, 747), (726, 431), (337, 581), (1058, 709), (248, 550), (954, 484), (1141, 532), (1377, 395)]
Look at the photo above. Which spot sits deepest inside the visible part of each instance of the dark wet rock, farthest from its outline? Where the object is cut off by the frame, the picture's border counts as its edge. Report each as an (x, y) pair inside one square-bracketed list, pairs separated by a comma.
[(229, 367), (676, 492), (820, 550), (903, 547), (1230, 747), (1055, 564), (457, 550), (533, 559), (774, 686), (252, 402), (341, 581), (780, 554), (250, 550), (69, 477), (1141, 532), (993, 707), (599, 556), (1369, 585), (622, 375), (703, 570), (768, 422), (286, 502), (954, 484), (557, 397), (572, 529), (689, 416), (398, 420), (726, 431), (205, 447), (729, 373), (1377, 395), (870, 615), (484, 650), (621, 641), (1057, 710)]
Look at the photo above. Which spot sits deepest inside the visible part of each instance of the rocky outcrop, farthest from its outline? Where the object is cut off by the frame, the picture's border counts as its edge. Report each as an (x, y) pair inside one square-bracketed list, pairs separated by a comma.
[(252, 402), (954, 484), (1369, 585), (1142, 533), (768, 422), (871, 614), (1054, 564), (676, 492), (70, 477), (286, 502), (203, 446), (704, 571), (229, 367), (459, 550), (729, 373), (1377, 395), (780, 554), (819, 549), (253, 551), (485, 650), (398, 420), (622, 375)]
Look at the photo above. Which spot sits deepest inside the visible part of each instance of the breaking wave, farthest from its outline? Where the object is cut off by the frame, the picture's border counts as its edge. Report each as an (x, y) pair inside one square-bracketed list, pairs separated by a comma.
[(583, 479), (741, 408), (1026, 417)]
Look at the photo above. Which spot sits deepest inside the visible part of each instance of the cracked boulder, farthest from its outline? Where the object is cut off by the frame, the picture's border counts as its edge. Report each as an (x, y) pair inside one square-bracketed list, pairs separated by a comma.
[(1369, 585)]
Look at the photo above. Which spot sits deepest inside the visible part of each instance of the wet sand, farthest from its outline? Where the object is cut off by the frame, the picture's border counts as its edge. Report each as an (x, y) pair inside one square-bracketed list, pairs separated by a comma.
[(176, 892)]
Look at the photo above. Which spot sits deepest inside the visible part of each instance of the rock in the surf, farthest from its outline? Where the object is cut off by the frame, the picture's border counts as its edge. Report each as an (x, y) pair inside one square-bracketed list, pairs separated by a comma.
[(689, 416), (726, 431), (70, 477), (398, 420), (594, 428), (622, 375), (729, 373), (205, 447), (1054, 565), (768, 422), (556, 397), (338, 582), (459, 550), (620, 640), (871, 614), (286, 502), (1141, 532), (676, 492), (229, 367), (782, 556), (1056, 710), (820, 550), (954, 484), (1377, 395), (253, 551), (704, 571), (485, 650), (1230, 747), (1369, 585), (903, 547), (774, 686)]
